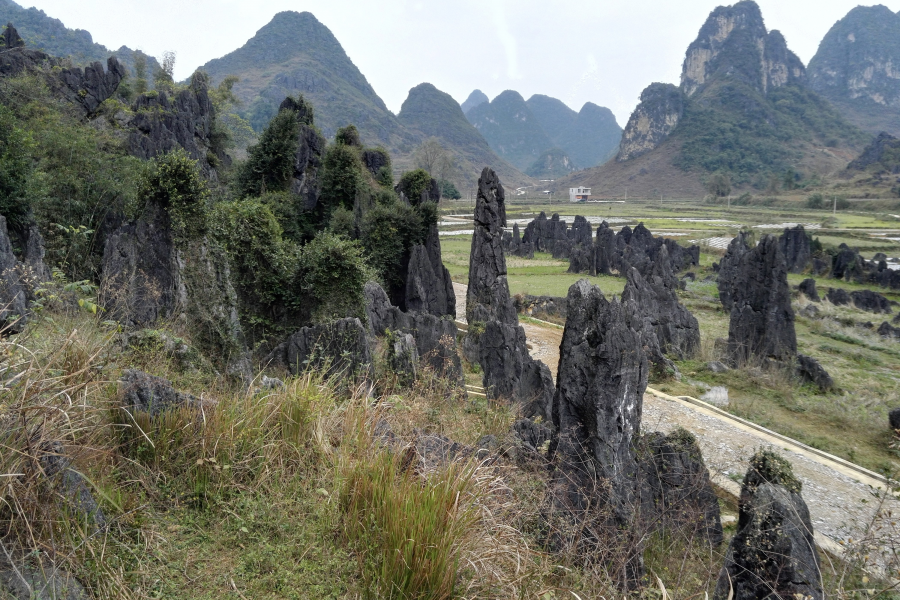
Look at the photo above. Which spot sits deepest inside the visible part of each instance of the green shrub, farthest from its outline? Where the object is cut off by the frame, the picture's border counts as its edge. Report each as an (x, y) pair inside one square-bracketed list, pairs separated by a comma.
[(343, 223), (448, 190), (413, 184), (16, 147), (270, 163), (387, 232), (348, 136), (342, 178), (719, 185), (174, 182), (815, 201), (842, 204), (333, 271)]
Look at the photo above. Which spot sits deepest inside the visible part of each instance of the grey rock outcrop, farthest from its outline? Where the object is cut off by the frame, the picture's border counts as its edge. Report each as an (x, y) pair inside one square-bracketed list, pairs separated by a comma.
[(676, 492), (534, 436), (140, 392), (305, 181), (762, 320), (605, 254), (796, 249), (894, 419), (581, 251), (808, 288), (548, 235), (811, 371), (655, 299), (403, 356), (602, 377), (22, 579), (71, 485), (92, 86), (838, 296), (338, 349), (871, 301), (773, 554), (657, 115), (514, 246), (429, 288), (161, 124), (435, 337), (728, 268), (888, 331), (13, 302), (495, 339)]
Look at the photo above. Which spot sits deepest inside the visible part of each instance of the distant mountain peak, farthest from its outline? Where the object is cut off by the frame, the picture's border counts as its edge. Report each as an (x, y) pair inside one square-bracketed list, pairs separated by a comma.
[(475, 98)]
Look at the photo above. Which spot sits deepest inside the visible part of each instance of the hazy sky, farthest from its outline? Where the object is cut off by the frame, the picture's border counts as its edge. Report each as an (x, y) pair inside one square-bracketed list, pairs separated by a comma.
[(603, 51)]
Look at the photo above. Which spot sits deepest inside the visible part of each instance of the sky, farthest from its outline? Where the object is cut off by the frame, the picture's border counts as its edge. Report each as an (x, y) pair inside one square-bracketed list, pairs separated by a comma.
[(601, 51)]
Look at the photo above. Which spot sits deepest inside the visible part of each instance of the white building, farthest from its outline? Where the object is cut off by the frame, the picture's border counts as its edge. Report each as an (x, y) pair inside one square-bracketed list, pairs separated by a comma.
[(579, 194)]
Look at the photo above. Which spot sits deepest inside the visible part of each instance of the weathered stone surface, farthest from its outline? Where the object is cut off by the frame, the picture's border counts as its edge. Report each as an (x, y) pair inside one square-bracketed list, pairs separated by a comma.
[(429, 288), (435, 336), (605, 250), (810, 311), (514, 246), (889, 331), (796, 249), (677, 330), (728, 268), (495, 339), (838, 296), (33, 255), (339, 348), (847, 264), (16, 59), (660, 110), (871, 301), (22, 579), (773, 554), (487, 297), (676, 492), (820, 267), (894, 419), (532, 435), (762, 320), (717, 367), (375, 159), (70, 484), (810, 370), (144, 393), (596, 413), (90, 87), (541, 307), (436, 451), (305, 181), (403, 356), (13, 306), (808, 288), (581, 251), (548, 235), (161, 124)]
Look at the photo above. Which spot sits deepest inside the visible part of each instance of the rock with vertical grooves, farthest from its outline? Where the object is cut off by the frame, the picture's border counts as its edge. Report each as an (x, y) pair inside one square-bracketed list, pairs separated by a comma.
[(871, 301), (429, 288), (581, 253), (71, 485), (773, 554), (140, 392), (13, 307), (88, 88), (605, 255), (655, 298), (811, 371), (728, 269), (676, 492), (838, 296), (762, 320), (339, 348), (808, 289), (796, 249), (403, 356), (602, 377), (495, 339)]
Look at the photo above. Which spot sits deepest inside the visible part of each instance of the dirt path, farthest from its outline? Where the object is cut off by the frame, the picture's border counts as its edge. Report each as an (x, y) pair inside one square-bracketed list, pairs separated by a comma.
[(840, 505)]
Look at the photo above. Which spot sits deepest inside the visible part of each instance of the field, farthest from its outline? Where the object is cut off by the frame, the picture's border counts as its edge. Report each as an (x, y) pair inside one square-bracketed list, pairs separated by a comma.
[(851, 422)]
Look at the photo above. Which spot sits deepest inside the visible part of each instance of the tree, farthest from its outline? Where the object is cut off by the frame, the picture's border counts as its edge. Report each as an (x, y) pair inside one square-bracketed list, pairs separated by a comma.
[(140, 72), (348, 136), (270, 164), (430, 156), (342, 177), (333, 271), (413, 184), (719, 185), (164, 78), (174, 182), (15, 170)]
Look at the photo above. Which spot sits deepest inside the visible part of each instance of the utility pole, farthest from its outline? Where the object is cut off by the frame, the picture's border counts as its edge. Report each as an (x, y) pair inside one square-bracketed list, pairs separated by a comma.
[(834, 211), (626, 194)]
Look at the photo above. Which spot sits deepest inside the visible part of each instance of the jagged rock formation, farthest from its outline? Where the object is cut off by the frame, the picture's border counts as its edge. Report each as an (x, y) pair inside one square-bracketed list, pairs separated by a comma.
[(807, 287), (762, 320), (534, 436), (675, 489), (655, 298), (728, 269), (435, 337), (773, 553), (13, 302), (602, 376), (654, 119), (403, 356), (850, 266), (162, 124), (580, 249), (514, 246), (638, 248), (545, 234), (337, 349), (811, 371), (838, 296), (429, 288), (871, 301), (140, 392), (888, 331), (148, 275), (796, 249), (310, 152), (90, 87), (495, 339)]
